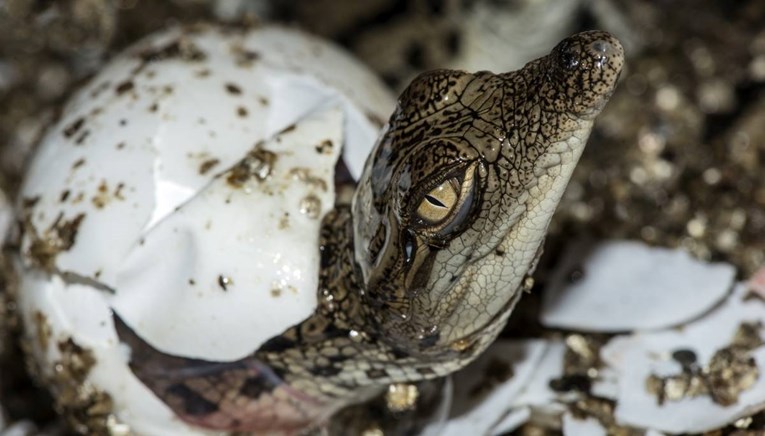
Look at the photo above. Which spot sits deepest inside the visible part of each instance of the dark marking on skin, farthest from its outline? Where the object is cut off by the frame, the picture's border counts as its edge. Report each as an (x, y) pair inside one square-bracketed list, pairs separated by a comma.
[(499, 252), (254, 387), (78, 163), (425, 371), (192, 282), (207, 165), (124, 87), (277, 344), (241, 111), (153, 107), (376, 373), (326, 371), (233, 89), (399, 354), (123, 122), (263, 101), (75, 126), (64, 195), (337, 358), (120, 146), (193, 403)]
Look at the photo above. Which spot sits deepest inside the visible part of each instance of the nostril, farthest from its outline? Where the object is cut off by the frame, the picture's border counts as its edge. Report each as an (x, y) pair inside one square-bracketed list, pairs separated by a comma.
[(569, 58), (601, 47)]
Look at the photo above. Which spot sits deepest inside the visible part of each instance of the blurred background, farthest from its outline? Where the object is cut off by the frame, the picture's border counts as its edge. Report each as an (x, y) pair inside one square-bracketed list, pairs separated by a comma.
[(675, 160)]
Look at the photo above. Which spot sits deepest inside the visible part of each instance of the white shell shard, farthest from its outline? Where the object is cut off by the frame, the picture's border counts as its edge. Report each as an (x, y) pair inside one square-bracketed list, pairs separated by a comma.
[(630, 286), (77, 311), (636, 357), (219, 259), (131, 144), (481, 402), (537, 392), (589, 426), (141, 155), (513, 420)]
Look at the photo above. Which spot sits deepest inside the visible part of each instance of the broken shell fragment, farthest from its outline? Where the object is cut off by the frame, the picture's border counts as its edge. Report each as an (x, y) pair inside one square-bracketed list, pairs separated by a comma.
[(724, 383), (485, 389), (624, 285)]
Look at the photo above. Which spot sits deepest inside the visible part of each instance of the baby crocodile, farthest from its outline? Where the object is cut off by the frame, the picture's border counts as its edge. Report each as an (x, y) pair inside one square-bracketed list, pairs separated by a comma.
[(420, 273)]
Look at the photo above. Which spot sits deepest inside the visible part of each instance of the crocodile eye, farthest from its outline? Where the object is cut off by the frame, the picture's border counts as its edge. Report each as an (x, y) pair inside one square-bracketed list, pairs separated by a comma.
[(448, 205), (439, 202)]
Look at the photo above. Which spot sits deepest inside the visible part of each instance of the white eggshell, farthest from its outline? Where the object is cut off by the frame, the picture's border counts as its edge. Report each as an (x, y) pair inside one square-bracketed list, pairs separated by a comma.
[(478, 411), (537, 392), (243, 235), (638, 356), (573, 426), (142, 153), (630, 286), (513, 420)]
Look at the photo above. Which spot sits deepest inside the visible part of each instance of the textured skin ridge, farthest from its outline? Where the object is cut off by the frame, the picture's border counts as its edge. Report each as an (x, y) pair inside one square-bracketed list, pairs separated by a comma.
[(420, 274)]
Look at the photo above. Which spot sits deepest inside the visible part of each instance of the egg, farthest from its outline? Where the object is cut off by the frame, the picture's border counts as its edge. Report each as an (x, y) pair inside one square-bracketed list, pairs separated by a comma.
[(144, 199)]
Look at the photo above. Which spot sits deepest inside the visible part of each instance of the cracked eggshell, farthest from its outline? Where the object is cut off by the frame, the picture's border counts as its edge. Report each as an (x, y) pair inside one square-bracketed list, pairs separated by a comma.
[(627, 285), (484, 390), (573, 426), (145, 198), (636, 357), (537, 393)]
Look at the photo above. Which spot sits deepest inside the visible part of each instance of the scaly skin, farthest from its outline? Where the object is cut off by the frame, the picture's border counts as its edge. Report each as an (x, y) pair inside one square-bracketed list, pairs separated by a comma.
[(420, 274)]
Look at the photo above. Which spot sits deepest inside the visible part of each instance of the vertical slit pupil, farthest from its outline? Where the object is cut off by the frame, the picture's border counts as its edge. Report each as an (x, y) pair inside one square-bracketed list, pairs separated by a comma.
[(434, 201)]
